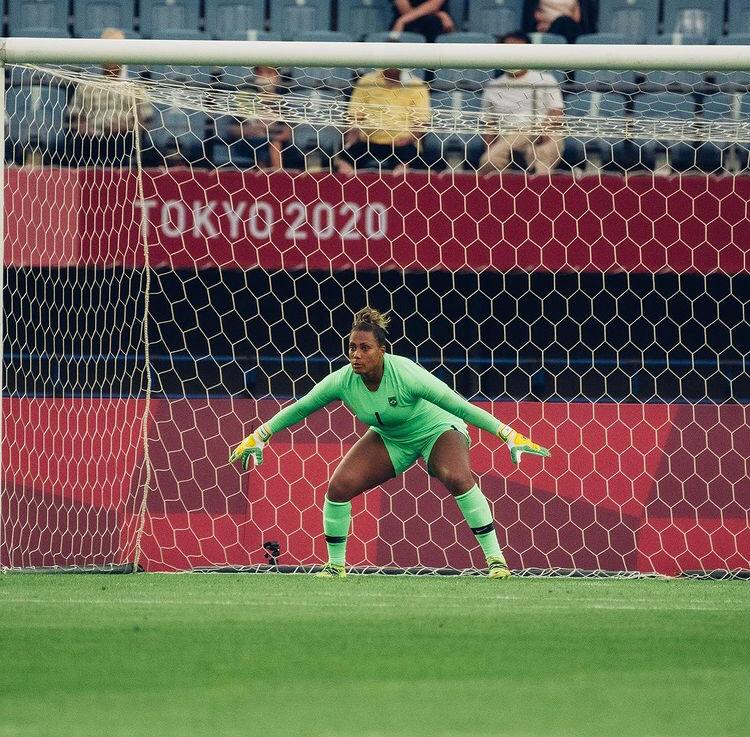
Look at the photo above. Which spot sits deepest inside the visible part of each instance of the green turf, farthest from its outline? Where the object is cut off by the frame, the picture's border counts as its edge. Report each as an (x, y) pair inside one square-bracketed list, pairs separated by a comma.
[(295, 656)]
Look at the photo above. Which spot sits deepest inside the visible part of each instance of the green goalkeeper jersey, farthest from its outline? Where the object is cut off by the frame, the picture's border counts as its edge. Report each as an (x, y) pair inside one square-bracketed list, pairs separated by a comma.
[(409, 403)]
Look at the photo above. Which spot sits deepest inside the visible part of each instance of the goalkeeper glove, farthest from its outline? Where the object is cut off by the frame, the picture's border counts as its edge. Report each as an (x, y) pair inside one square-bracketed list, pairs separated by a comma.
[(518, 444), (251, 446)]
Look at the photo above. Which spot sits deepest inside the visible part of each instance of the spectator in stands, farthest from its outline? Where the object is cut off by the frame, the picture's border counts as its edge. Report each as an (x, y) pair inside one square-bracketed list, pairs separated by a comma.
[(428, 17), (257, 143), (569, 18), (386, 109), (521, 95), (102, 118)]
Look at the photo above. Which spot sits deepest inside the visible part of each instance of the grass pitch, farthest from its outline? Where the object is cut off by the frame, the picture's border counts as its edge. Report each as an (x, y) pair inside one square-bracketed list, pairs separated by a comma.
[(371, 656)]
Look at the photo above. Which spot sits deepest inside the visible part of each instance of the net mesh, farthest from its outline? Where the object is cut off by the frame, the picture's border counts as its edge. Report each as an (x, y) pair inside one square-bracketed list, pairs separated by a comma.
[(185, 247)]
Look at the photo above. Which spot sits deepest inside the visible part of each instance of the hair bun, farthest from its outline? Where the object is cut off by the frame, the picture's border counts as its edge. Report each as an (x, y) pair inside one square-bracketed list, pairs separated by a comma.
[(371, 316)]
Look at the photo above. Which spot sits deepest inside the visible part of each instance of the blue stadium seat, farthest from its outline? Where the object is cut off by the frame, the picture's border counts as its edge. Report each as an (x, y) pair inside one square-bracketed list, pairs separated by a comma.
[(634, 19), (360, 17), (495, 16), (35, 116), (547, 38), (454, 149), (594, 105), (332, 77), (224, 18), (290, 17), (45, 18), (321, 141), (178, 131), (168, 16), (90, 16), (738, 17), (203, 75), (450, 79), (239, 75), (604, 77), (405, 37), (683, 78), (719, 107), (694, 17), (737, 78), (672, 105)]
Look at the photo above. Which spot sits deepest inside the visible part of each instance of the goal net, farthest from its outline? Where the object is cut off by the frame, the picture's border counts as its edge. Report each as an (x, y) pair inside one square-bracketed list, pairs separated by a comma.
[(184, 248)]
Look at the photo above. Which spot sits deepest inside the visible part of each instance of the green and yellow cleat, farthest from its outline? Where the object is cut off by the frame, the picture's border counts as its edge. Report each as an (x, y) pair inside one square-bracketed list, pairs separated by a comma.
[(331, 570), (497, 568)]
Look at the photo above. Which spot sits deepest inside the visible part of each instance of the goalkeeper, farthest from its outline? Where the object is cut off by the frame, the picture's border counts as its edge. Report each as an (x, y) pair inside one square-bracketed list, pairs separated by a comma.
[(410, 414)]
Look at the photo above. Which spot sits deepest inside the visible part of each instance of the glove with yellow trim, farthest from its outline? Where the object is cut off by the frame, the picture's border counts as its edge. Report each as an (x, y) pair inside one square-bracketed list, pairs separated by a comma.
[(251, 447), (518, 444)]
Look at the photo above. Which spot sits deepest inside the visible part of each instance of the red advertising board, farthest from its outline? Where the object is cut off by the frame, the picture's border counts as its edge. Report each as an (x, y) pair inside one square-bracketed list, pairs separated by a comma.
[(422, 221), (630, 486)]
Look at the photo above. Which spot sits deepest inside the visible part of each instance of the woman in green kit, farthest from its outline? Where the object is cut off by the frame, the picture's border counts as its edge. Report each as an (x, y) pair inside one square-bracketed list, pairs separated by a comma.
[(410, 414)]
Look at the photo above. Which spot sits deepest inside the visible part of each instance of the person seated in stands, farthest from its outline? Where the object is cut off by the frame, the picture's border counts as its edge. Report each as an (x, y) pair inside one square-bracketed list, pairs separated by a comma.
[(568, 18), (256, 142), (387, 108), (523, 98), (428, 17), (102, 119)]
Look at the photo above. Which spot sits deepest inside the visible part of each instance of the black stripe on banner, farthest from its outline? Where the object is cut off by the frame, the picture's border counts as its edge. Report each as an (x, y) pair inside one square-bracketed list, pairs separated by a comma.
[(335, 538), (484, 529)]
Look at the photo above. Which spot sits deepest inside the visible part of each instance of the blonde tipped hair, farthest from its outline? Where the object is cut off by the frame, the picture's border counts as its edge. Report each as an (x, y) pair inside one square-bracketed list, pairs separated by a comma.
[(373, 321)]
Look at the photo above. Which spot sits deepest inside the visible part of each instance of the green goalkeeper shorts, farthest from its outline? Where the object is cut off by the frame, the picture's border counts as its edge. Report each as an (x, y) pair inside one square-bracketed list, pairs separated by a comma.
[(403, 455)]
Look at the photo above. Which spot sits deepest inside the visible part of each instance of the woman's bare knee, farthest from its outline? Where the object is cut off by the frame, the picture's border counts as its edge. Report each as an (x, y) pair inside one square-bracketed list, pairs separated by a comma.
[(343, 488)]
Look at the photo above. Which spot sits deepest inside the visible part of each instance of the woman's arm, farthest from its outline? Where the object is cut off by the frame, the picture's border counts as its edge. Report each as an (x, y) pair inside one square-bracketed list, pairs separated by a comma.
[(423, 384), (319, 396), (409, 14)]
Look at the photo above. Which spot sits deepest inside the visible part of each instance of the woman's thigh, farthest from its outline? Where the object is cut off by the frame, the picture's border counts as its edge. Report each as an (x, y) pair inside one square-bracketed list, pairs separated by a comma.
[(449, 462), (366, 465)]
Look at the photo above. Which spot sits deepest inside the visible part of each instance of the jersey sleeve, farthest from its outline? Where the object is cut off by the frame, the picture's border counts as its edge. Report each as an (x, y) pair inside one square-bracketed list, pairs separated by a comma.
[(326, 391), (421, 383)]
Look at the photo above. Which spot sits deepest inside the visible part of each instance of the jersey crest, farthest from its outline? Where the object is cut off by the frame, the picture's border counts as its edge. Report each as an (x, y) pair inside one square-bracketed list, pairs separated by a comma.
[(392, 401)]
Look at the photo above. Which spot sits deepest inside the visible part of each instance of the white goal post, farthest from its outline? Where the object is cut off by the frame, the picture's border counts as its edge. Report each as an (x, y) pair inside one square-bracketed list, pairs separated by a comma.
[(172, 278)]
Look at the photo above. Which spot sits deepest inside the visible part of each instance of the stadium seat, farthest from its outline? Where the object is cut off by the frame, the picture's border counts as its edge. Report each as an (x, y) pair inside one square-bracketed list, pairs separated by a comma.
[(718, 107), (332, 77), (634, 19), (494, 16), (203, 75), (547, 38), (226, 18), (737, 79), (44, 18), (672, 105), (168, 16), (90, 16), (738, 17), (237, 75), (319, 141), (694, 17), (605, 152), (451, 79), (291, 17), (360, 17), (403, 37), (178, 131), (604, 79), (35, 117), (682, 78), (454, 149)]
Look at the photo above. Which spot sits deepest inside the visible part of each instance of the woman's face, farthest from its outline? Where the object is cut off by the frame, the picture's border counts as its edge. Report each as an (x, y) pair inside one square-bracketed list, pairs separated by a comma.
[(365, 354)]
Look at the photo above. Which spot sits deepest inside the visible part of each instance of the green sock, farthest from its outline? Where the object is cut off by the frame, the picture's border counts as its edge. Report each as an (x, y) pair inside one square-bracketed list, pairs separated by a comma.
[(476, 510), (336, 519)]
